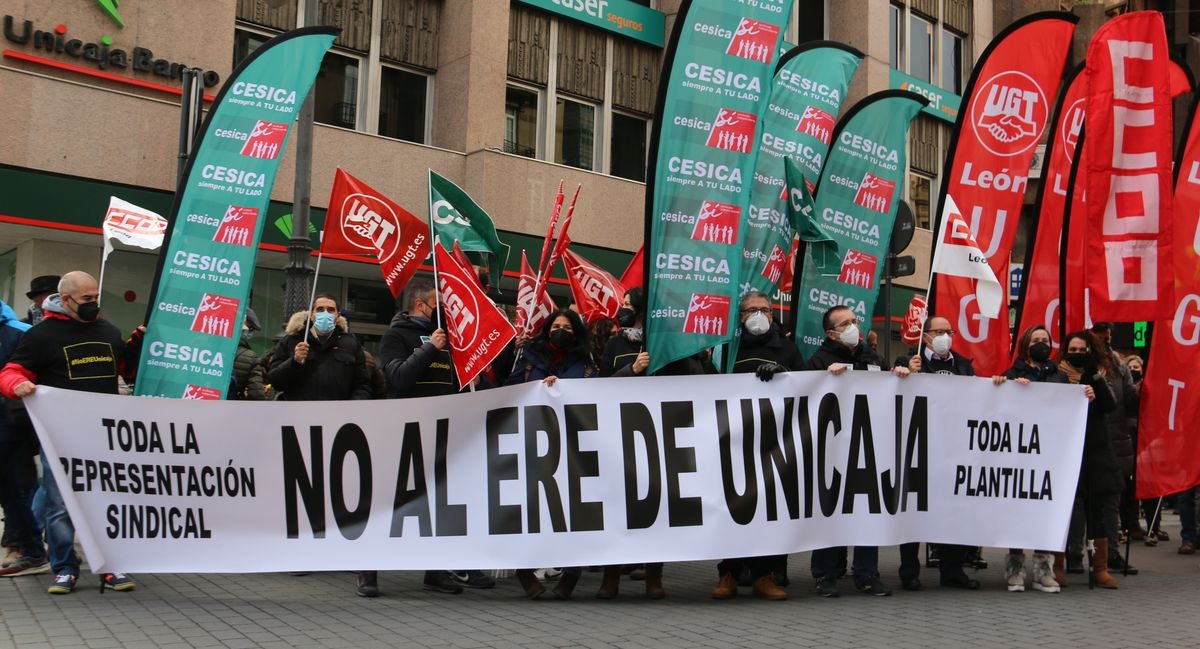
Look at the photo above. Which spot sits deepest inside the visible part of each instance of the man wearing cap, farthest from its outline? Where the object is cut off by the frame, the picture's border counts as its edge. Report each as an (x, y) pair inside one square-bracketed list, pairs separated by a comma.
[(40, 288)]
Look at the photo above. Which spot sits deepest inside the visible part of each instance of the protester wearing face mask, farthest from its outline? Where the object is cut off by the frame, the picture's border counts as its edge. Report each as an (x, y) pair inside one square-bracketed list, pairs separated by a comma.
[(844, 349), (560, 350), (318, 359), (72, 348), (764, 351), (246, 382), (1033, 364)]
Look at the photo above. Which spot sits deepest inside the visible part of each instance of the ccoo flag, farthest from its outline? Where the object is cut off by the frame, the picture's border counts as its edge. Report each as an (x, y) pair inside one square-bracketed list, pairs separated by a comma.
[(957, 254), (801, 212), (362, 221)]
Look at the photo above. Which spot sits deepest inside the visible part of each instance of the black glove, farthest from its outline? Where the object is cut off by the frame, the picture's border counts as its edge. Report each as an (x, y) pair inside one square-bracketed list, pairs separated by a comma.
[(767, 371)]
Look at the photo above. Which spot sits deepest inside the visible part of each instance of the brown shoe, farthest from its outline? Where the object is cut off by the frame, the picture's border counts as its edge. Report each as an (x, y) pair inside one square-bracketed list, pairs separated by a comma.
[(765, 588), (611, 583), (566, 585), (1187, 547), (654, 585), (1060, 575), (1100, 576), (533, 588), (726, 588)]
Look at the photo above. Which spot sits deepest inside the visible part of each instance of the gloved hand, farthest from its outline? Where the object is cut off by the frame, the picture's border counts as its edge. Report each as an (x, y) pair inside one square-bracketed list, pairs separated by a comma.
[(767, 371)]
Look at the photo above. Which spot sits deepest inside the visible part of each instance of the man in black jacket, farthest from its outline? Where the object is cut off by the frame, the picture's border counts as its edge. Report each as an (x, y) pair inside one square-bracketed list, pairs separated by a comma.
[(844, 349), (415, 355), (766, 352), (938, 357), (318, 359)]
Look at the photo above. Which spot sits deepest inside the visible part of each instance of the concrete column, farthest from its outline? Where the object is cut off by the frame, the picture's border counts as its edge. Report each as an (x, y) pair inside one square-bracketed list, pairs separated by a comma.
[(472, 68)]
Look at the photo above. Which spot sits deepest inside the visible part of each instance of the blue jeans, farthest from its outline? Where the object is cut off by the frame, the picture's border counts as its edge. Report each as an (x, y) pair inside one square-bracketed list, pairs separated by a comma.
[(60, 532), (866, 563), (16, 498), (1186, 504)]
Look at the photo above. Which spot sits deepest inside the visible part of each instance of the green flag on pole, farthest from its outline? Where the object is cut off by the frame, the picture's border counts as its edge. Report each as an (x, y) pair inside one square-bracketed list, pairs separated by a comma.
[(456, 217), (802, 215)]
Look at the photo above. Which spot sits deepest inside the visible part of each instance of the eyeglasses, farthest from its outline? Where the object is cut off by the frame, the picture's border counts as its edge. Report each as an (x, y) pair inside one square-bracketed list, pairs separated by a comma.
[(766, 310), (852, 321), (938, 332)]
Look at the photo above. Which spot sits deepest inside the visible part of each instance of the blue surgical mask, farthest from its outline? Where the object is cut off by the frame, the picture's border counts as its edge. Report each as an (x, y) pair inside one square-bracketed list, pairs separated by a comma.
[(324, 322)]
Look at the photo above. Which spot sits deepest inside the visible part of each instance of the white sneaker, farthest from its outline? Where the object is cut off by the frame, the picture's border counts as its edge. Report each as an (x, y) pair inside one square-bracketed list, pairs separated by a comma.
[(1014, 572), (1043, 574), (547, 574)]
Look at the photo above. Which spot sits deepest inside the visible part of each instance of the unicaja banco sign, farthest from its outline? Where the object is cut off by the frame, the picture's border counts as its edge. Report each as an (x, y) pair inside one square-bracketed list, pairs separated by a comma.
[(621, 17)]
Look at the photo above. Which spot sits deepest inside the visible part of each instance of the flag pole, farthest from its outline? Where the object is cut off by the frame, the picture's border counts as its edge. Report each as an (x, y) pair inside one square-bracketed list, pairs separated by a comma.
[(433, 244), (313, 294)]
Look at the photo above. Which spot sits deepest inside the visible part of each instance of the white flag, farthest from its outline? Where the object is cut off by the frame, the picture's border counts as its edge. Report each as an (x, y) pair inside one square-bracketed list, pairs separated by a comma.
[(132, 226), (956, 253)]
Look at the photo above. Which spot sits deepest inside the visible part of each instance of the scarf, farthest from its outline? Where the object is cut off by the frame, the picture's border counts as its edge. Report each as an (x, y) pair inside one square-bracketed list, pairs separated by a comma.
[(1073, 374)]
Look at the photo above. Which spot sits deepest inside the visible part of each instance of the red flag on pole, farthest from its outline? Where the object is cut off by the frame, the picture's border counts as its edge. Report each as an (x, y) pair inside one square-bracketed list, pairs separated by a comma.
[(632, 277), (597, 293), (914, 320), (558, 201), (529, 315), (362, 221), (1006, 110), (477, 328), (1168, 447), (1128, 175), (464, 261)]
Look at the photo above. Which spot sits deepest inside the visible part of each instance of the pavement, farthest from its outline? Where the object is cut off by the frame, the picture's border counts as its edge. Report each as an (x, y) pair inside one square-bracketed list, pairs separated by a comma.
[(1156, 608)]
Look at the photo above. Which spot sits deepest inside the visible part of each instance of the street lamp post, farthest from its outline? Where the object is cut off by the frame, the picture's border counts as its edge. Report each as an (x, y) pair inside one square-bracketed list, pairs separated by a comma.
[(298, 273)]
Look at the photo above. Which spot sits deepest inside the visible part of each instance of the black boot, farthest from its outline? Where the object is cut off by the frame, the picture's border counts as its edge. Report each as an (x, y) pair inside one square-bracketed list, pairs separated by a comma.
[(368, 584), (566, 584), (533, 588)]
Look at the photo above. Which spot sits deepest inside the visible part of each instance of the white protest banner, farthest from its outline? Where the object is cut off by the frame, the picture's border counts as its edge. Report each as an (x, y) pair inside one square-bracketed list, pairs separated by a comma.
[(586, 472)]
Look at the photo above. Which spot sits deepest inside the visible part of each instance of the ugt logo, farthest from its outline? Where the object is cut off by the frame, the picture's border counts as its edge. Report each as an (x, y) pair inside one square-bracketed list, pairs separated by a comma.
[(773, 271), (717, 223), (817, 123), (707, 315), (1072, 125), (753, 40), (1009, 113), (237, 226), (265, 141), (732, 130), (858, 269), (875, 193), (460, 315), (200, 393), (370, 224), (217, 316)]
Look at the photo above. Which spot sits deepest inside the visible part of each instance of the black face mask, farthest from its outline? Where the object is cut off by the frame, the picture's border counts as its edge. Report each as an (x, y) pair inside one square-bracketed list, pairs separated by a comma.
[(625, 316), (1039, 353), (88, 311), (562, 338), (1137, 376), (1079, 359)]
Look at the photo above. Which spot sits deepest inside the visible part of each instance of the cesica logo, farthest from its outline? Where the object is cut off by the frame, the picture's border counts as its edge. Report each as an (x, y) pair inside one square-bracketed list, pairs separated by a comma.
[(717, 223), (817, 123), (237, 226), (200, 393), (707, 315), (773, 271), (875, 193), (753, 40), (370, 224), (858, 269), (732, 130), (1009, 113), (265, 141), (216, 316)]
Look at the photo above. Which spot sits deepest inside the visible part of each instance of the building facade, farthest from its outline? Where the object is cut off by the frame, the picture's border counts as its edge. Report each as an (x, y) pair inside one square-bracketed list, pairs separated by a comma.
[(505, 98)]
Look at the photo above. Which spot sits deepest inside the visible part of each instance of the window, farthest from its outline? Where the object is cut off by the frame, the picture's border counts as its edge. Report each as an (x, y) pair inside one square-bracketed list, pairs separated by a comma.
[(574, 134), (244, 44), (920, 53), (336, 91), (628, 142), (402, 100), (521, 121), (895, 36), (918, 197), (952, 63)]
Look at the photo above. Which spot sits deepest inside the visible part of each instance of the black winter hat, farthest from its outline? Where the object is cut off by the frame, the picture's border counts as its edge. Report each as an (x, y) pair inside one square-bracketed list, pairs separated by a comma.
[(43, 284)]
